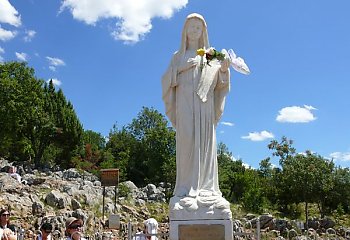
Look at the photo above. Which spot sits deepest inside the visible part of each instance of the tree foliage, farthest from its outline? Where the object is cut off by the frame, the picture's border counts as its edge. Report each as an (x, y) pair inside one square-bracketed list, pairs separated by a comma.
[(145, 149), (35, 118), (305, 178)]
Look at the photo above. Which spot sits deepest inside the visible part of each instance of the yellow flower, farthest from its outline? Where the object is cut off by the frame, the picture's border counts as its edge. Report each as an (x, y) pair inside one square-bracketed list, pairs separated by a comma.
[(201, 52)]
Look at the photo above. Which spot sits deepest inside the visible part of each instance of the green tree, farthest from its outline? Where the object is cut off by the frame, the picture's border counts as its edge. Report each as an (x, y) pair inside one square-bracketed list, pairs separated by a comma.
[(70, 129), (34, 117), (120, 145), (225, 167), (339, 196), (284, 149), (305, 178), (92, 152), (238, 183), (22, 113), (154, 148)]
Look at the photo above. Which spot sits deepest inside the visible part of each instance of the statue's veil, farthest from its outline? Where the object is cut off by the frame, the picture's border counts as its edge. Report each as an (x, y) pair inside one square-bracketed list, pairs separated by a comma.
[(203, 41)]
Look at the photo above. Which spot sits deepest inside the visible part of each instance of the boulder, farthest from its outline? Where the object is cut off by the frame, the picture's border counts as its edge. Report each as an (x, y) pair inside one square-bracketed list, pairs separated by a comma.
[(38, 209), (57, 199), (75, 204)]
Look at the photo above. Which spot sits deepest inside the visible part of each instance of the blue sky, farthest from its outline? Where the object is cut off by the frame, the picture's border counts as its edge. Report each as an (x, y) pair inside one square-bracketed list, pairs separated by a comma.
[(108, 56)]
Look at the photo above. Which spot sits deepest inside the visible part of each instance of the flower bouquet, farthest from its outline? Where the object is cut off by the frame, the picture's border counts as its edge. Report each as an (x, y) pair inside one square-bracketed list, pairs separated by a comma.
[(210, 54)]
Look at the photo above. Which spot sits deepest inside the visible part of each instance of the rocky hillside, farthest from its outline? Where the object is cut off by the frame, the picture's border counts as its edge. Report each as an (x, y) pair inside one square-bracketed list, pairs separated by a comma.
[(56, 195)]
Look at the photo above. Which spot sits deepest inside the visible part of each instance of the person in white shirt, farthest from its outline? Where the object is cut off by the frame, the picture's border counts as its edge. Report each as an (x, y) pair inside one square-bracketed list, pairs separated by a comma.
[(150, 227), (13, 173), (7, 230)]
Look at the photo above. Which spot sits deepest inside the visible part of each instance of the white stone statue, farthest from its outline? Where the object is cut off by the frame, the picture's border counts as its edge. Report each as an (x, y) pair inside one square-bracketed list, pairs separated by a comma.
[(194, 96)]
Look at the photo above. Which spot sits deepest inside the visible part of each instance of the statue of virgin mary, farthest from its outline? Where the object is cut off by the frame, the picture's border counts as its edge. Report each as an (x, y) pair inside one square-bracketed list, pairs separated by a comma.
[(194, 95)]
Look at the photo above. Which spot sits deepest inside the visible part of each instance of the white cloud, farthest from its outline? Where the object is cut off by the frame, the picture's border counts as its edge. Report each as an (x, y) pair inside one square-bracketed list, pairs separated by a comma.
[(55, 81), (296, 114), (29, 35), (274, 165), (259, 136), (133, 18), (230, 124), (55, 62), (339, 156), (8, 14), (6, 35), (21, 56), (233, 158), (246, 165)]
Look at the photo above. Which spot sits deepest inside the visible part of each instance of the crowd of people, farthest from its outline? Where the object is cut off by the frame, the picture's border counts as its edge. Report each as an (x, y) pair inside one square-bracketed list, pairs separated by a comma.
[(8, 231), (73, 230)]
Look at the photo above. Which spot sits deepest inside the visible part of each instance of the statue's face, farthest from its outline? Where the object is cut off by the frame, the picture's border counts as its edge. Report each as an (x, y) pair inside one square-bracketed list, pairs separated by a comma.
[(194, 29)]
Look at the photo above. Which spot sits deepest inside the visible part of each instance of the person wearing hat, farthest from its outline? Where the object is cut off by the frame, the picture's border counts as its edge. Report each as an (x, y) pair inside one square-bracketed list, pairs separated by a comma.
[(45, 232), (74, 227)]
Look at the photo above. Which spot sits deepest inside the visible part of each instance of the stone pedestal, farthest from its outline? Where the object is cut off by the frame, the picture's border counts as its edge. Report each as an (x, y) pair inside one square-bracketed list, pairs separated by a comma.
[(201, 229)]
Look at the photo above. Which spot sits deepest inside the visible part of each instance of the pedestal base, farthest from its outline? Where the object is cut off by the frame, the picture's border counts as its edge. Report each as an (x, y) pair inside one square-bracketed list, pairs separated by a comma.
[(200, 207), (201, 230)]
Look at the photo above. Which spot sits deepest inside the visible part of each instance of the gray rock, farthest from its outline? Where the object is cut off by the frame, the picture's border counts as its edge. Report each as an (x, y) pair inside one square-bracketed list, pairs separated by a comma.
[(97, 183), (313, 223), (140, 202), (56, 199), (250, 216), (88, 183), (71, 173), (327, 223), (70, 189), (7, 183), (75, 204), (92, 200), (280, 225), (130, 185), (33, 180), (151, 189), (265, 220), (38, 209), (3, 162)]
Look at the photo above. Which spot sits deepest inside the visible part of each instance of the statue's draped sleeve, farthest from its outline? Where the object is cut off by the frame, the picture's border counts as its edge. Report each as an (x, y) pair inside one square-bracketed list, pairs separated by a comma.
[(221, 79), (220, 92), (169, 82)]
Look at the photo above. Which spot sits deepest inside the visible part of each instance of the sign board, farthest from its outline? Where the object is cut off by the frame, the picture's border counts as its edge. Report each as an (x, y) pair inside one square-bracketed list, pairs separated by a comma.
[(114, 221), (202, 232), (110, 177)]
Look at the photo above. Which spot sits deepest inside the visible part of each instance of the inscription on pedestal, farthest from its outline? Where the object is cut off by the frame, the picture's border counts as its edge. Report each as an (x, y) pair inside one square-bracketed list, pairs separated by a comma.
[(202, 232)]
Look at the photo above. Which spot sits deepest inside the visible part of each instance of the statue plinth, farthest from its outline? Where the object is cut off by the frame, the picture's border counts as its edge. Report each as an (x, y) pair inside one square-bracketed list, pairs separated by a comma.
[(201, 217), (200, 207)]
